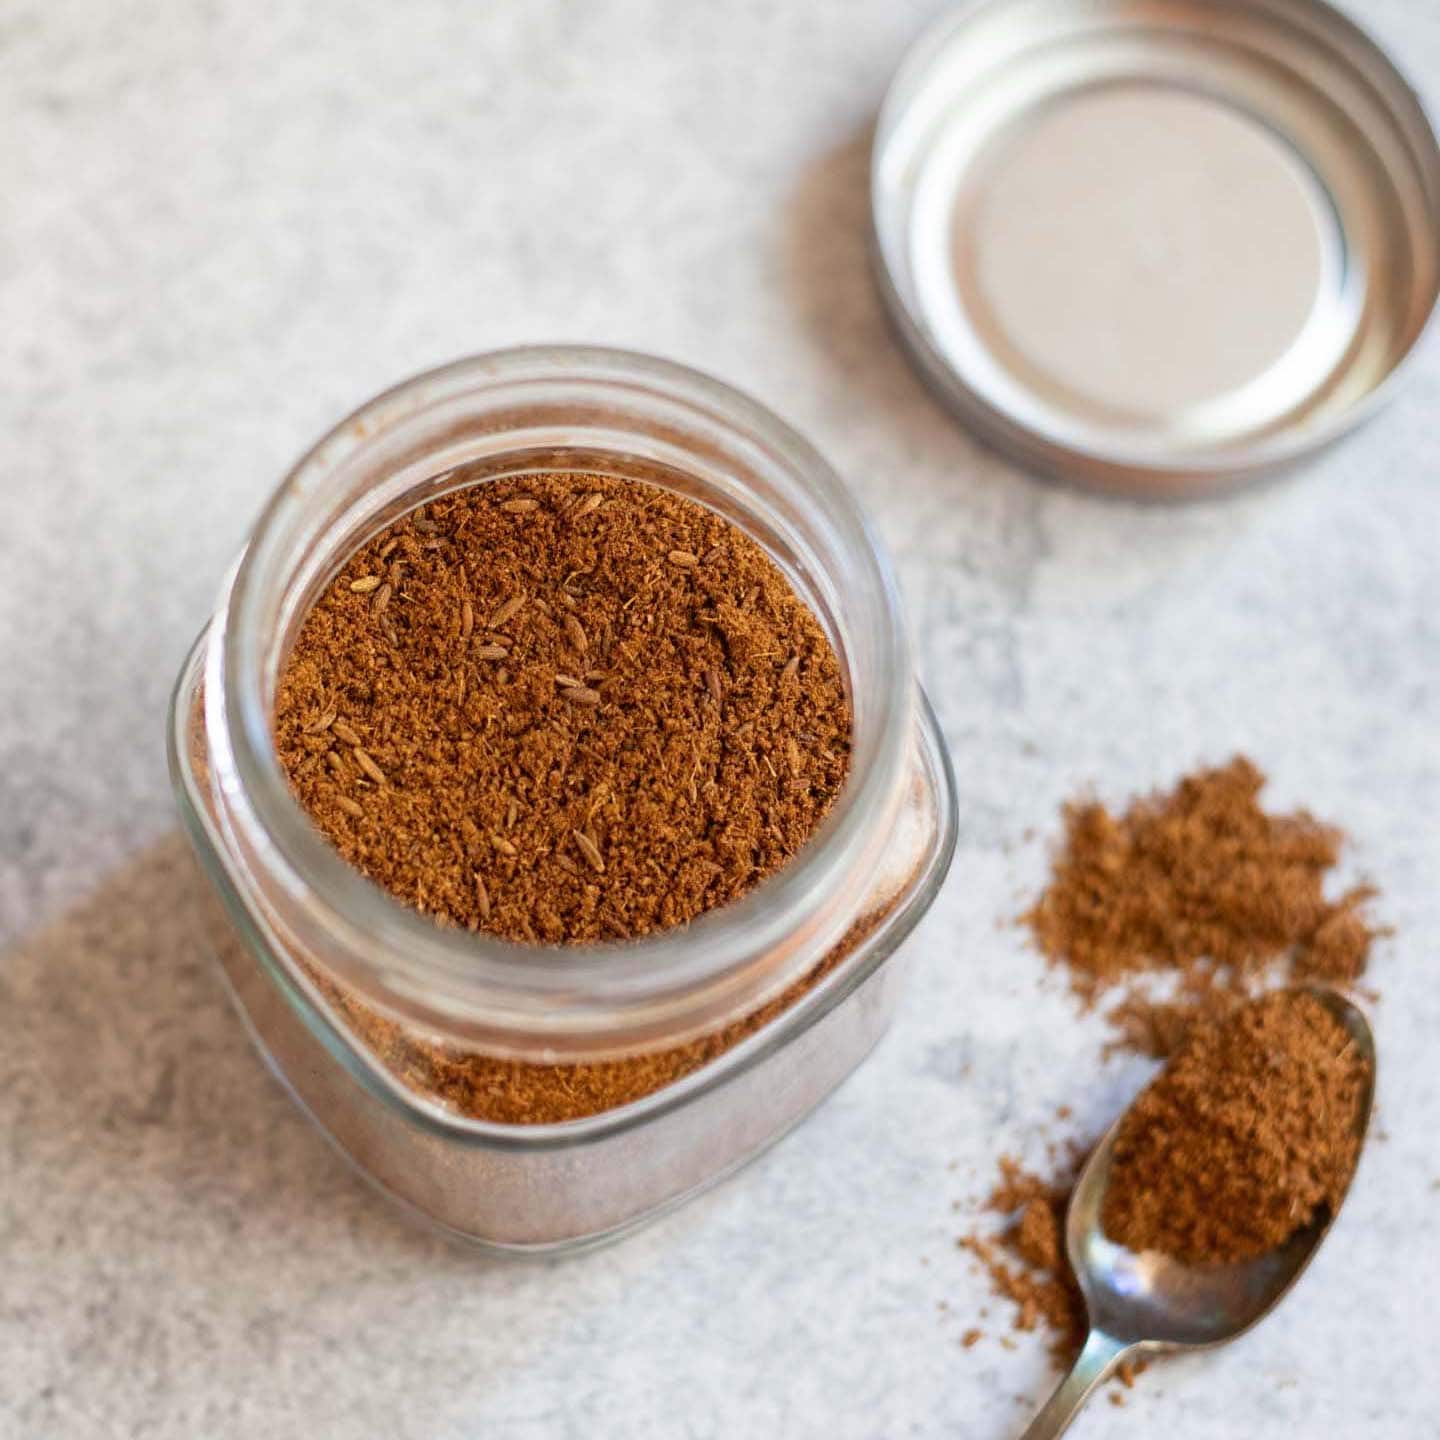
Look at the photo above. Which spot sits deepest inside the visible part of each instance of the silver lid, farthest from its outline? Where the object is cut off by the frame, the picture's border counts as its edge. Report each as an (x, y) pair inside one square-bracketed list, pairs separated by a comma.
[(1156, 245)]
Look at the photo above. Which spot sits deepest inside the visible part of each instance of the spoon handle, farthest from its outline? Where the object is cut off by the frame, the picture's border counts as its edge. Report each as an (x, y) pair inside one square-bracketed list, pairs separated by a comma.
[(1102, 1353)]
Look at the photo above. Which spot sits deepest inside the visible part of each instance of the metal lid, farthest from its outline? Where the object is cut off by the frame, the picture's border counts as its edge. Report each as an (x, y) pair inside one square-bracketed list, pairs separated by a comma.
[(1156, 245)]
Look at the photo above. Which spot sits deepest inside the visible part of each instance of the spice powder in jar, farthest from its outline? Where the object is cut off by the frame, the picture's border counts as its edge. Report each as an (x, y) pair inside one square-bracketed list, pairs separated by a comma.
[(558, 709)]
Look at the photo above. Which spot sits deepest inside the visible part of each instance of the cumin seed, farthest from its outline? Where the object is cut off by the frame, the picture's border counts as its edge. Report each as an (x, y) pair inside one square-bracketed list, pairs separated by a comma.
[(363, 760), (590, 850), (512, 607)]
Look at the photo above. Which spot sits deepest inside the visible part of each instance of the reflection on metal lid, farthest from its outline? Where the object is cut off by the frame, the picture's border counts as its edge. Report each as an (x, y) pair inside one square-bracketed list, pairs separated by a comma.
[(1157, 245)]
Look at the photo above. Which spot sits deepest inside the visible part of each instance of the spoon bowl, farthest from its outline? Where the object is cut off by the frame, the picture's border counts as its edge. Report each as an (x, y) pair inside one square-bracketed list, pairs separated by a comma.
[(1143, 1302)]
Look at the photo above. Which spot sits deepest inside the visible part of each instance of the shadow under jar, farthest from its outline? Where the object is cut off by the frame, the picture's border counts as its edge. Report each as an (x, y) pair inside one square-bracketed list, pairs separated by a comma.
[(298, 926)]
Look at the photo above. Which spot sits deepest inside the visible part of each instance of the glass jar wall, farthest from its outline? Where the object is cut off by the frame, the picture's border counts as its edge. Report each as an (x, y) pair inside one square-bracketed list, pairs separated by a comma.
[(339, 982)]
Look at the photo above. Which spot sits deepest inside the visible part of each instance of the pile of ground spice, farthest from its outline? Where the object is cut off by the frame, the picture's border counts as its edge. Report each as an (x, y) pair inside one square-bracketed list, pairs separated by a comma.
[(562, 708), (1204, 884), (1250, 1132)]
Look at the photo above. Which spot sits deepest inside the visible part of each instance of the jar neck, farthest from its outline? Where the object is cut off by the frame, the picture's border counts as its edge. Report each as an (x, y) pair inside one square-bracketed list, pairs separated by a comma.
[(522, 412)]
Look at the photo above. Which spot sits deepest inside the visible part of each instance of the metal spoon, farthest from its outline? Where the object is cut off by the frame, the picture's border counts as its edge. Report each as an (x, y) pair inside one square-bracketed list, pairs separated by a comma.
[(1147, 1304)]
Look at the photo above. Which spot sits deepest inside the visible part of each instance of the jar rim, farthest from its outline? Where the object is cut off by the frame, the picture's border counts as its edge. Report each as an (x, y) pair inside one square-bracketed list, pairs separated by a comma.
[(677, 981)]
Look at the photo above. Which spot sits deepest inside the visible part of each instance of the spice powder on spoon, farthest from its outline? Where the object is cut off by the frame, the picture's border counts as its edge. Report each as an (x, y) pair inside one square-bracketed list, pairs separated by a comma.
[(1204, 892)]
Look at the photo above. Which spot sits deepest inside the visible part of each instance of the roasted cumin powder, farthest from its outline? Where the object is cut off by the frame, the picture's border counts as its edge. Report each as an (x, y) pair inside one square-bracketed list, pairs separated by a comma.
[(1250, 1129), (1202, 885), (561, 708), (1249, 1132), (1025, 1262)]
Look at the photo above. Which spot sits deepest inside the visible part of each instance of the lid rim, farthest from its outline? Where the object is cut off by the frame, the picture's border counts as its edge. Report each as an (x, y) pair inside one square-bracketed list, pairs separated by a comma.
[(1144, 468)]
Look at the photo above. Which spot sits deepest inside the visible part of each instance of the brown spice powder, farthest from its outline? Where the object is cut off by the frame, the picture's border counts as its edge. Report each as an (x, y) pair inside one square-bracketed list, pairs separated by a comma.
[(517, 1092), (588, 709), (1205, 884), (1026, 1262), (1202, 874), (555, 731), (1202, 888), (1246, 1135)]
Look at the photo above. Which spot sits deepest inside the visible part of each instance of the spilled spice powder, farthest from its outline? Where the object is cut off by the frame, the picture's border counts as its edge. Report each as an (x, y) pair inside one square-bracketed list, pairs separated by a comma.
[(1249, 1132), (562, 708), (1025, 1263), (1201, 883)]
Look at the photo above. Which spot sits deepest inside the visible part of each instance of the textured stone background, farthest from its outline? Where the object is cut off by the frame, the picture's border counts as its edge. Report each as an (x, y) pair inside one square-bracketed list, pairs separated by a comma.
[(225, 223)]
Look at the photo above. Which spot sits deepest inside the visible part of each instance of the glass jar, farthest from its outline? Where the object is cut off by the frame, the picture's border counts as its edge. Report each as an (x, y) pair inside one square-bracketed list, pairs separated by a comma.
[(306, 942)]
